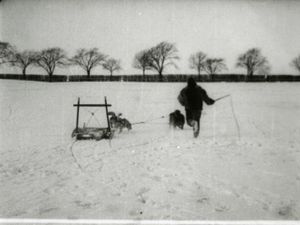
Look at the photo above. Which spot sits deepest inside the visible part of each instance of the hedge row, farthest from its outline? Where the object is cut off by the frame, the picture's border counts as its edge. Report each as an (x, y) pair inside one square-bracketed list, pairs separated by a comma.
[(58, 78), (155, 78)]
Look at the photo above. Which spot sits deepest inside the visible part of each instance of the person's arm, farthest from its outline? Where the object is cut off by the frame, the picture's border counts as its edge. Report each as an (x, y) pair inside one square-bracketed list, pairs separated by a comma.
[(206, 99), (181, 98)]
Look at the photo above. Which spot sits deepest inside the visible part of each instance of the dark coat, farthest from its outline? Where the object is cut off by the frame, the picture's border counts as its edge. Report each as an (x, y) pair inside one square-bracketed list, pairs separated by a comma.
[(192, 97)]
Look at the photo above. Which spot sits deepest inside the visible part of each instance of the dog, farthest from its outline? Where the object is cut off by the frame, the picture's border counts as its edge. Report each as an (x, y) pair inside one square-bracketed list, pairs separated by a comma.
[(118, 123), (176, 119)]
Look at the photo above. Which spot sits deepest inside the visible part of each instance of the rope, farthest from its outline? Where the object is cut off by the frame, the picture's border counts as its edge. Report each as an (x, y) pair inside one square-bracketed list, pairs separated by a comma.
[(146, 121), (97, 121), (93, 116), (91, 112), (233, 113), (87, 123)]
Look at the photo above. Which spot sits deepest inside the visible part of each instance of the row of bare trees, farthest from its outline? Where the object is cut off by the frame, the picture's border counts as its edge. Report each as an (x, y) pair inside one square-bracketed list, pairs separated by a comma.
[(164, 54), (156, 58), (253, 61), (51, 58), (200, 62)]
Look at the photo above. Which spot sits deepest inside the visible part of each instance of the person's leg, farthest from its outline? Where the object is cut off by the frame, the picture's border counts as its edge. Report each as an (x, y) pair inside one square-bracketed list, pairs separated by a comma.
[(196, 117), (189, 117)]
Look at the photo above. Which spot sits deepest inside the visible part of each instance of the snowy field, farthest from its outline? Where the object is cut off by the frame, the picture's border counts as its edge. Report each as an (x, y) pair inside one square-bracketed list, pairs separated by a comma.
[(150, 172)]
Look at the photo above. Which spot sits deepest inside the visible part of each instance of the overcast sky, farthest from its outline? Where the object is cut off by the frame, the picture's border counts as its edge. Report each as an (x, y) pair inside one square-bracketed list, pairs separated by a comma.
[(120, 28)]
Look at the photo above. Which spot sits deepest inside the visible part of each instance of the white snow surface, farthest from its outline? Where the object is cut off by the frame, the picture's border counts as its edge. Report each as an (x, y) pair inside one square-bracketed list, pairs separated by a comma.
[(152, 171)]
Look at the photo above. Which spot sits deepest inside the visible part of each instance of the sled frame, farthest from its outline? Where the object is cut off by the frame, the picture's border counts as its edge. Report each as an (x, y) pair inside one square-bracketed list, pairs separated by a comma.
[(78, 105)]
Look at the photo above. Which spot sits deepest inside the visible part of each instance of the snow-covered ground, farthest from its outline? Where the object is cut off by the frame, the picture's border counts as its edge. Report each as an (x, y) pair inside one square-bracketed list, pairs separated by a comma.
[(150, 172)]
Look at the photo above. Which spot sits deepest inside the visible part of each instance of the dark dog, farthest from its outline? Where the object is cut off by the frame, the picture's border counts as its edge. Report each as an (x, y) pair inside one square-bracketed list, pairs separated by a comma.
[(118, 123), (176, 119)]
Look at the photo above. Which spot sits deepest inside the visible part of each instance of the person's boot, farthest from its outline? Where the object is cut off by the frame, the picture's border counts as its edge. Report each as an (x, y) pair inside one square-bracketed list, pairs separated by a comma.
[(196, 129)]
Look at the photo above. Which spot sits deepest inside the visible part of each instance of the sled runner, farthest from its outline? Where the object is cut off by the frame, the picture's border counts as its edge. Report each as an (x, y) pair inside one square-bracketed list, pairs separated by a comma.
[(97, 133)]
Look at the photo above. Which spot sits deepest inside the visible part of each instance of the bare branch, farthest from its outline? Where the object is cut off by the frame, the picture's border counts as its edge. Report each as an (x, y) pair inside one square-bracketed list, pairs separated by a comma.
[(88, 59), (253, 61), (214, 65), (6, 50), (296, 63), (48, 59), (112, 65), (22, 59), (142, 61), (197, 61), (161, 56)]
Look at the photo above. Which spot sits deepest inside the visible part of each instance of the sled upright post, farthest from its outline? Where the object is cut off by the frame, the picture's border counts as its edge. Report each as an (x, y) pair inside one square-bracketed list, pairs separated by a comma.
[(77, 116), (106, 109)]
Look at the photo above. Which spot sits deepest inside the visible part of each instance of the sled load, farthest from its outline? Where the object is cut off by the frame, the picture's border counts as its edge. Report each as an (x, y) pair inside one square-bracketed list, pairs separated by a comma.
[(97, 133)]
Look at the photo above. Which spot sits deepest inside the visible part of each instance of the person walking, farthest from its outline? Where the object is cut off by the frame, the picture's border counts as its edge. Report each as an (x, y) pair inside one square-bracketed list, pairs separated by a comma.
[(192, 98)]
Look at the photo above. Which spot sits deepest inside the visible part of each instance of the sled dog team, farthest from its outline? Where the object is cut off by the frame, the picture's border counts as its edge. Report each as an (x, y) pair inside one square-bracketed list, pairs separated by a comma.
[(191, 98)]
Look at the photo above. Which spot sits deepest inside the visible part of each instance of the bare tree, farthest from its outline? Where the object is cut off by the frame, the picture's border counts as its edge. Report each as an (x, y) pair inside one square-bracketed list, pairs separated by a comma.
[(296, 63), (161, 56), (87, 59), (214, 65), (48, 59), (22, 60), (197, 62), (5, 51), (112, 65), (253, 61), (142, 61)]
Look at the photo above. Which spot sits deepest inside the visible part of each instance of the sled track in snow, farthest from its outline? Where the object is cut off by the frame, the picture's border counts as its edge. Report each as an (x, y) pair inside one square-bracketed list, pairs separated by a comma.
[(235, 119), (74, 157), (91, 178)]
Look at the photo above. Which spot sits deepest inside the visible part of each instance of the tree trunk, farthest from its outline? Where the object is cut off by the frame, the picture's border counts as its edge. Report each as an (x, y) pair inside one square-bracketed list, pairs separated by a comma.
[(199, 71), (160, 76), (111, 74), (24, 72), (88, 73), (199, 77), (250, 74), (50, 76), (212, 77), (144, 75), (199, 74)]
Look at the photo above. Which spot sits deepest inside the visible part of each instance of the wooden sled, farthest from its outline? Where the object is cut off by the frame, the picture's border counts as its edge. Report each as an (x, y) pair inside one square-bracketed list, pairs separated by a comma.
[(92, 133), (97, 133)]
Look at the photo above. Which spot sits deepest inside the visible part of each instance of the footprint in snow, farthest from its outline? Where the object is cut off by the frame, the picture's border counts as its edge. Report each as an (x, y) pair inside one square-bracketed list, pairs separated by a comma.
[(135, 212), (140, 194), (46, 210), (143, 190), (172, 191), (222, 208), (82, 204), (179, 184), (203, 200), (156, 178), (287, 211)]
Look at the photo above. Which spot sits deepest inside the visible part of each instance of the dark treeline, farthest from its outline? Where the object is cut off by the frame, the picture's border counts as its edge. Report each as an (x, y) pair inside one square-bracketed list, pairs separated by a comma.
[(156, 78)]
